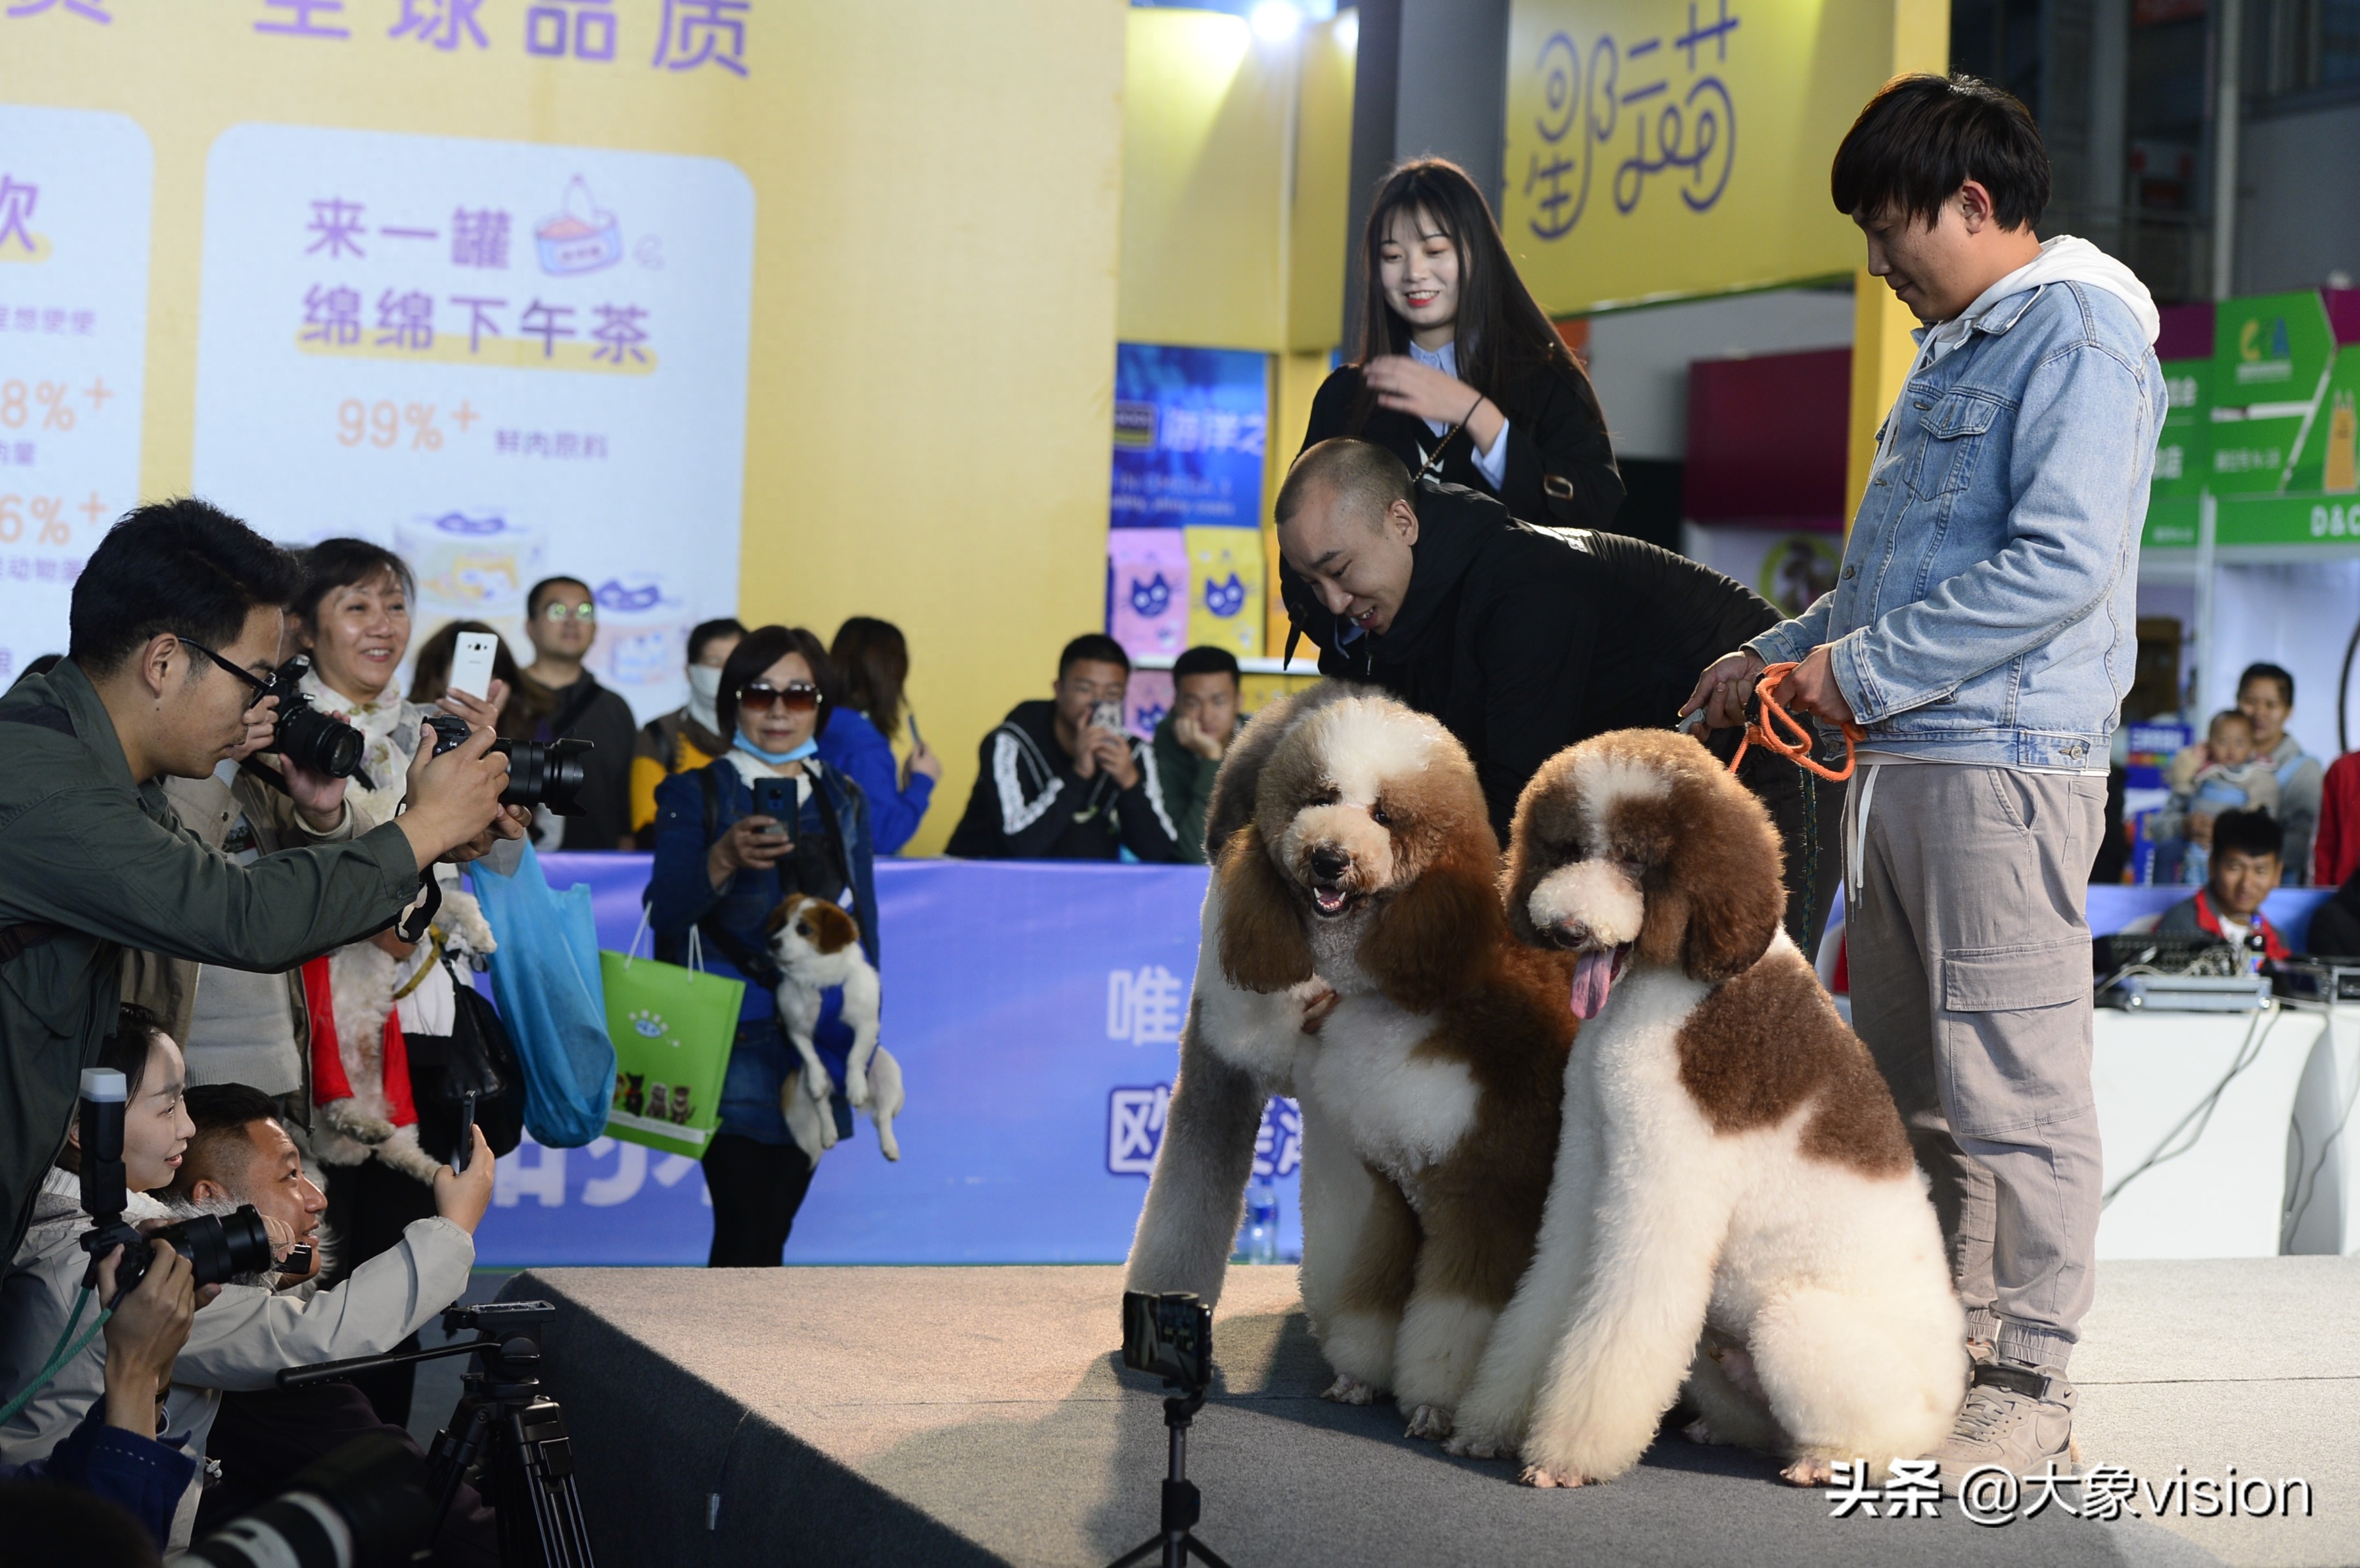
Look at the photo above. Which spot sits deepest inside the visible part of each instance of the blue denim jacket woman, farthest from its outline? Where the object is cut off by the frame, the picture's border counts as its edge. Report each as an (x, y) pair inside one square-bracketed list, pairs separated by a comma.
[(721, 868), (1987, 609)]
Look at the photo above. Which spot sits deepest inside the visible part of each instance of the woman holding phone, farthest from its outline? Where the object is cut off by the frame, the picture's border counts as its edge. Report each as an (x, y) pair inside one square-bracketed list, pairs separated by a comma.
[(732, 840), (1461, 374)]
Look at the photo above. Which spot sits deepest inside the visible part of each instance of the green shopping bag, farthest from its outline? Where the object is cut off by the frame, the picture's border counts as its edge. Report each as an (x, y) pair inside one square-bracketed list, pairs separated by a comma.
[(672, 1029)]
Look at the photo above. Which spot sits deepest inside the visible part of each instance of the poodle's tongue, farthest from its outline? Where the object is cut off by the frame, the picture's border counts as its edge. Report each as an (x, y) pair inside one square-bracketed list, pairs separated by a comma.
[(1593, 975)]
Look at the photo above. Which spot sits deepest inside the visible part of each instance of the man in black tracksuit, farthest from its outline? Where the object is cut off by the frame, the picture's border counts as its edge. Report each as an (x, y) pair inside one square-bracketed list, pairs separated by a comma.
[(1053, 782), (1524, 639)]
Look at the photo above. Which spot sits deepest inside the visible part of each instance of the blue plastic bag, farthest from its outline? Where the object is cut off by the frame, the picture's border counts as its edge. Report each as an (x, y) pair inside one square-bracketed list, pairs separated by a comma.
[(545, 979)]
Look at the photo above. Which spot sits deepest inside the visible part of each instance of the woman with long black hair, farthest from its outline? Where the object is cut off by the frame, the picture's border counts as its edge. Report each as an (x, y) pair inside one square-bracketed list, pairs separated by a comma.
[(1455, 353)]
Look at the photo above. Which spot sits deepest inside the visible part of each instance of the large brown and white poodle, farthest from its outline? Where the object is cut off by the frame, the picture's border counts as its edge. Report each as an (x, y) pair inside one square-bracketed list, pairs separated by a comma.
[(1734, 1205), (1355, 955)]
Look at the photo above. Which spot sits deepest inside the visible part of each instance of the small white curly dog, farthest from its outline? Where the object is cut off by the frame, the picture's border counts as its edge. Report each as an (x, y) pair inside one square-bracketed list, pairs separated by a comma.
[(817, 945), (367, 983), (1734, 1205)]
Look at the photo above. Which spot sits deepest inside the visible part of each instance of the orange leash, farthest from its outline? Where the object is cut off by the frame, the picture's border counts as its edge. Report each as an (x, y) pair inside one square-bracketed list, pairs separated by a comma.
[(1796, 745)]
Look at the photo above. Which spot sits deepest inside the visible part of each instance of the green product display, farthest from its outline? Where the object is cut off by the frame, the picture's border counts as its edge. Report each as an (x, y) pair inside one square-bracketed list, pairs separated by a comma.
[(2271, 355), (2269, 426)]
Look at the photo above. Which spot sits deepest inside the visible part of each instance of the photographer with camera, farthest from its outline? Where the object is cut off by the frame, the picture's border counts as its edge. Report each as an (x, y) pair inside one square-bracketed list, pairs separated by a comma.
[(93, 1426), (176, 624), (240, 1153), (215, 1150)]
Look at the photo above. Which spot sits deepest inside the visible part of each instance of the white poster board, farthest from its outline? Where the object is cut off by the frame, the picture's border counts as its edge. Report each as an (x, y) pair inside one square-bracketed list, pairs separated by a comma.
[(505, 360), (74, 195)]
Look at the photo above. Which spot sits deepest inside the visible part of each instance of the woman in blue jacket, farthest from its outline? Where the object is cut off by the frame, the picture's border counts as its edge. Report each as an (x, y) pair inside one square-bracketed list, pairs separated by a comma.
[(721, 868), (872, 662)]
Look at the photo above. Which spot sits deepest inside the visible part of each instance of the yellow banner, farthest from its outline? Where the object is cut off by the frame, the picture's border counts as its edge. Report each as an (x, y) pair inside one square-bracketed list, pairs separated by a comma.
[(1661, 148)]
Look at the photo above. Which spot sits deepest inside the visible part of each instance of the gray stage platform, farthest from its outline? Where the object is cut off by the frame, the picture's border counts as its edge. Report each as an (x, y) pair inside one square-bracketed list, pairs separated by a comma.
[(955, 1416)]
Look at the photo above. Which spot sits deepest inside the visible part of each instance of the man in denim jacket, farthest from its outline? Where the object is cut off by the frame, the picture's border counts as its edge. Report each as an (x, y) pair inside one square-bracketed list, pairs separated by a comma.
[(1980, 632)]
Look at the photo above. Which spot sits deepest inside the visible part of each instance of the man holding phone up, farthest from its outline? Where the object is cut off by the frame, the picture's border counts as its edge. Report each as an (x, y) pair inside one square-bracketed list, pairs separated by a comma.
[(1061, 780)]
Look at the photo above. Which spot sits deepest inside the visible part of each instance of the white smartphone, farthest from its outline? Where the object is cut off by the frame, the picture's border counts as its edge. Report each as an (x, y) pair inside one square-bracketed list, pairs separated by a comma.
[(471, 664)]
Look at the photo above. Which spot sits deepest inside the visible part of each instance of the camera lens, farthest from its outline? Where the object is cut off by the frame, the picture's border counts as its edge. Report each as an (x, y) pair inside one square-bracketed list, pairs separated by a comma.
[(546, 774), (220, 1247), (309, 738)]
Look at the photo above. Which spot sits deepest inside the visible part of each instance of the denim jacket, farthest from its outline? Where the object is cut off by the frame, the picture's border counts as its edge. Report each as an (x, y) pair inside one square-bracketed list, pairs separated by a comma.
[(1986, 607)]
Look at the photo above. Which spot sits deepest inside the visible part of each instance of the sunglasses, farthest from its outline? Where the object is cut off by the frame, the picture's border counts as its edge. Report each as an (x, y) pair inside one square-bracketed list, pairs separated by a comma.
[(556, 611), (796, 697), (264, 685)]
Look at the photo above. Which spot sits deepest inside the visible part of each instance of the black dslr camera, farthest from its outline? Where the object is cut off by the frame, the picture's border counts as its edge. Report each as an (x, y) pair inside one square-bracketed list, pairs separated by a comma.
[(540, 773), (221, 1248), (308, 737)]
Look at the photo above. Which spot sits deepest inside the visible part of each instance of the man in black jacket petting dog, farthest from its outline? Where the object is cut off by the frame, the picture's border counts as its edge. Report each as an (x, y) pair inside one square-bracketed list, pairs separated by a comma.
[(1522, 639)]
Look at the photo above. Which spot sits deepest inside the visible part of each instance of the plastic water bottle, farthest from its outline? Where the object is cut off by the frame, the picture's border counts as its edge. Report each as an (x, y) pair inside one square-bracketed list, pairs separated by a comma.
[(1258, 1243)]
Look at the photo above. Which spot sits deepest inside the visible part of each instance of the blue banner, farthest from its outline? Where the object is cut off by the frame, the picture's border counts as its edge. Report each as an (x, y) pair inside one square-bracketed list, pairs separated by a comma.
[(1035, 1009), (1189, 425)]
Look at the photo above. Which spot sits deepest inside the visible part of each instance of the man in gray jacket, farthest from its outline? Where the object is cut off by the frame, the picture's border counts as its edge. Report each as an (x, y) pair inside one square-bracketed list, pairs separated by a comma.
[(1981, 634)]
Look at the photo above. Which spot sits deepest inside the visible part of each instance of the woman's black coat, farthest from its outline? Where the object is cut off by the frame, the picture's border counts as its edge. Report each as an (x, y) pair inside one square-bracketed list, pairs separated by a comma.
[(1560, 468)]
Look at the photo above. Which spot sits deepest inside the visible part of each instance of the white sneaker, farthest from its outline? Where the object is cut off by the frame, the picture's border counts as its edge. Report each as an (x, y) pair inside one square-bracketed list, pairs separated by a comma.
[(2016, 1417)]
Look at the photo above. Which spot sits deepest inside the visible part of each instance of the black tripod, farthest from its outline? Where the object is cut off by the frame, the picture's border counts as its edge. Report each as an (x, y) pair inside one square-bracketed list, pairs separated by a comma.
[(506, 1425), (1181, 1502)]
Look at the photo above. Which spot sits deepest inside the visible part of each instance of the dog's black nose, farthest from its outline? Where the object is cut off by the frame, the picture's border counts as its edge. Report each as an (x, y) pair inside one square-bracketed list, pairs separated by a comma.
[(1328, 865)]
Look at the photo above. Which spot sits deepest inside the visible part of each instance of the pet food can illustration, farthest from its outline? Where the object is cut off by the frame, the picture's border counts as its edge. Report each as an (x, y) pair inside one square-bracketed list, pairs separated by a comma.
[(583, 238), (642, 644), (473, 563)]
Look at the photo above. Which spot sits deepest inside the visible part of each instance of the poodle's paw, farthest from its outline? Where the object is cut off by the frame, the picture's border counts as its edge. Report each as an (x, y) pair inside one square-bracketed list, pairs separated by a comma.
[(1431, 1422), (1701, 1431), (354, 1124), (1473, 1445), (1348, 1389), (1811, 1470), (818, 1087), (1318, 999), (1534, 1475), (856, 1089)]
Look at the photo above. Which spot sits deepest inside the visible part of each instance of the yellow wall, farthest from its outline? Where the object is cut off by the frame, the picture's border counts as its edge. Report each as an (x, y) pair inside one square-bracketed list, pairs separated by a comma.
[(937, 199), (1237, 161), (1883, 349)]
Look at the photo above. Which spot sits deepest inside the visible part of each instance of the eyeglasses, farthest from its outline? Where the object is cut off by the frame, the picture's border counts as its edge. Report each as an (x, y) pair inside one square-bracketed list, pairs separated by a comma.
[(556, 611), (796, 697), (264, 685)]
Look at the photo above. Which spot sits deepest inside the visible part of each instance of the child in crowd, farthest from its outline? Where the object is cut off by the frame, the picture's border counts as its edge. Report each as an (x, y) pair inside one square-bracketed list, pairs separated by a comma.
[(2223, 772)]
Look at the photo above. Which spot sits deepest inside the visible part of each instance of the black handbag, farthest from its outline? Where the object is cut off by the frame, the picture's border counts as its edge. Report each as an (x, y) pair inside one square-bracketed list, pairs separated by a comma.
[(476, 1057)]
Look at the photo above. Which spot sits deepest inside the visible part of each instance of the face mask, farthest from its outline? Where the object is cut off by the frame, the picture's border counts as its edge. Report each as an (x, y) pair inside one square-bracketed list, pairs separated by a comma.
[(779, 758), (704, 689)]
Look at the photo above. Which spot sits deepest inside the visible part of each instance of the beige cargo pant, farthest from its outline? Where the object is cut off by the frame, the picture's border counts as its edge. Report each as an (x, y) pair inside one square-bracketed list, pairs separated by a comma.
[(1967, 890)]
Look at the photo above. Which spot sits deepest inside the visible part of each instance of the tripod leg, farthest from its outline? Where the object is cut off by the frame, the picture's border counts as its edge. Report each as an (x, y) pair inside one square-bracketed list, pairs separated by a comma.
[(1205, 1553), (1146, 1549), (541, 1454)]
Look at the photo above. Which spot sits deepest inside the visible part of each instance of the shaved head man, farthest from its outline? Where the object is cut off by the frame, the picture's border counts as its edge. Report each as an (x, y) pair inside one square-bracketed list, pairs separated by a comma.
[(1522, 639)]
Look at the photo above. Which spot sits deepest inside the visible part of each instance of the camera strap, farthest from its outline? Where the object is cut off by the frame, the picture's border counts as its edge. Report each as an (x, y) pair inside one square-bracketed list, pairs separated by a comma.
[(412, 927)]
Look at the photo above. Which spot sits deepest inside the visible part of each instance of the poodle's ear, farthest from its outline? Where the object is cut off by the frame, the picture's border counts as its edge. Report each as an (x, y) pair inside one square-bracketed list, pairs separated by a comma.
[(1432, 939), (1262, 947), (777, 917), (1726, 878)]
